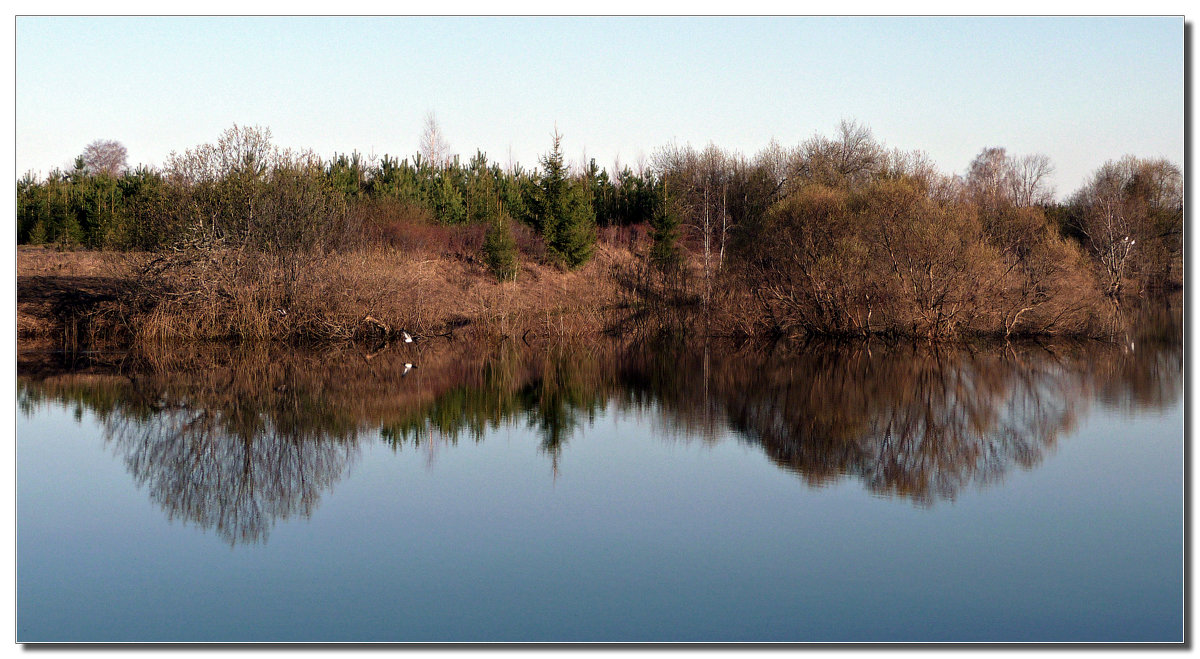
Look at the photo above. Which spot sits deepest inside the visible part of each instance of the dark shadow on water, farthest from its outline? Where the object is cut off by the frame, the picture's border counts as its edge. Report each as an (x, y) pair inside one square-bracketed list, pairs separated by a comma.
[(235, 439)]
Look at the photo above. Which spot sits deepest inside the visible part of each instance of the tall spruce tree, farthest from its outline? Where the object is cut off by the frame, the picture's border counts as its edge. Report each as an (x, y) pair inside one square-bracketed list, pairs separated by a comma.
[(500, 248), (563, 212), (577, 231), (664, 230)]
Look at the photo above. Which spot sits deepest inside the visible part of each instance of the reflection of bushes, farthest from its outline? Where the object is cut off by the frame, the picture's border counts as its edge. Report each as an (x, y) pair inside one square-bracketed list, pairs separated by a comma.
[(1149, 370), (916, 423), (554, 392), (233, 439)]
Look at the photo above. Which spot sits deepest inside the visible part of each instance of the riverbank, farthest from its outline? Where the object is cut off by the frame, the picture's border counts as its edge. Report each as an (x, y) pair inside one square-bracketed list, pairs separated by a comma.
[(54, 287), (376, 294), (88, 296)]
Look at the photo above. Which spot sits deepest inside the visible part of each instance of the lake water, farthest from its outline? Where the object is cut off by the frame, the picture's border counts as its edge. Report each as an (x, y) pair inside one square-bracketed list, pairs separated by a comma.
[(624, 492)]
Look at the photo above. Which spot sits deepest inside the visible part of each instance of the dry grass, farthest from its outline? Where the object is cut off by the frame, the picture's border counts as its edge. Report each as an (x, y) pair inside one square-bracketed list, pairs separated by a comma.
[(60, 292), (429, 286), (360, 293), (41, 261)]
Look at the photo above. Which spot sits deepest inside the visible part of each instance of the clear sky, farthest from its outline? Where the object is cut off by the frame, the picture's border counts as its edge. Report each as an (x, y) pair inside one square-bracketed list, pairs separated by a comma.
[(1080, 90)]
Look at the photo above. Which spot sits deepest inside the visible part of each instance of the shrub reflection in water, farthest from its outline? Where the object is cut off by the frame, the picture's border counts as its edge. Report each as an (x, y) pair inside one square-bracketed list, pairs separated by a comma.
[(234, 439)]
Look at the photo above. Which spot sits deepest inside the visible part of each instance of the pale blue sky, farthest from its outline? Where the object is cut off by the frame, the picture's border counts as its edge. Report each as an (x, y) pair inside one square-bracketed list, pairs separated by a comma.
[(1081, 90)]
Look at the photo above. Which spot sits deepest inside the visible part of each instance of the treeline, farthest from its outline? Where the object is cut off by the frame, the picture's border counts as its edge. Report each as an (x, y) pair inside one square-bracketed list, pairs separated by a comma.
[(245, 189), (842, 236), (836, 236)]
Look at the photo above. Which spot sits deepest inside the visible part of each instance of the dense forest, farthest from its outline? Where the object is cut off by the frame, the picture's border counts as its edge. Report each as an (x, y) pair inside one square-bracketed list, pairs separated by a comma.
[(837, 236)]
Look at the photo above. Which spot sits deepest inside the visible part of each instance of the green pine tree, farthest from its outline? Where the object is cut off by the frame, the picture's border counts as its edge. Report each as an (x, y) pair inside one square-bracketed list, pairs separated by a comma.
[(664, 230), (37, 235), (576, 237), (500, 249), (563, 212)]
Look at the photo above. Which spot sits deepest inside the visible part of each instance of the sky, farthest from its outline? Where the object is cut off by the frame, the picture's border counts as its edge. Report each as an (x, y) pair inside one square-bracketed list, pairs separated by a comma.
[(1080, 90)]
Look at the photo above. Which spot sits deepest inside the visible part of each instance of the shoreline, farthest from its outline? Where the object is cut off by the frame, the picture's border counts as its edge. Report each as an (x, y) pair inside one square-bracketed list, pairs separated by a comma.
[(79, 298)]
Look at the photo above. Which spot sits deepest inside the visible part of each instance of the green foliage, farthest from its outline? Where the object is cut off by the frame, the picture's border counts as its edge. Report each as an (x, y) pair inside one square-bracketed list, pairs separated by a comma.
[(627, 199), (220, 191), (664, 231), (575, 240), (146, 199), (500, 249), (80, 209), (563, 212), (348, 174)]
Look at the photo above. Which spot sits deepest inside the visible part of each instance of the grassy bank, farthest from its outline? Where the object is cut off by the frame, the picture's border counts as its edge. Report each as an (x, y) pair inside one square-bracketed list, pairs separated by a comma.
[(371, 295), (86, 297)]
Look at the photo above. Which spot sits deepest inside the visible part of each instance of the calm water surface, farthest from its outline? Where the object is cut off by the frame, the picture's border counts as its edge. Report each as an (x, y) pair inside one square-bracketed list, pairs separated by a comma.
[(607, 492)]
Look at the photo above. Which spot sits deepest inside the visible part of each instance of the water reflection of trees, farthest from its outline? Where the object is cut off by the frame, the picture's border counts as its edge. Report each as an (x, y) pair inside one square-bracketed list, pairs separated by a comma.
[(917, 421), (199, 469), (233, 440), (912, 421), (1149, 371), (231, 445), (555, 391)]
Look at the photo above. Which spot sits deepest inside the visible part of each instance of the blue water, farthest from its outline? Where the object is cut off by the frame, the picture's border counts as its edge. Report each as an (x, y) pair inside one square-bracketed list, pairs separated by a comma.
[(637, 529)]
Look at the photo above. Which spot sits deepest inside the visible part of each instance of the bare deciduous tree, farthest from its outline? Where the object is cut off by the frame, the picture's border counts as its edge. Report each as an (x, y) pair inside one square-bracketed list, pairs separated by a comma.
[(774, 159), (852, 157), (1029, 180), (434, 148), (997, 180), (241, 151), (245, 188), (988, 178), (105, 156), (1131, 216), (699, 183)]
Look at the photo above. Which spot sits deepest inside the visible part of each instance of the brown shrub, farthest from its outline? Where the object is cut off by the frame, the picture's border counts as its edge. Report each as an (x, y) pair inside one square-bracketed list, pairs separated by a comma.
[(889, 259), (366, 293), (632, 237), (529, 243), (409, 227)]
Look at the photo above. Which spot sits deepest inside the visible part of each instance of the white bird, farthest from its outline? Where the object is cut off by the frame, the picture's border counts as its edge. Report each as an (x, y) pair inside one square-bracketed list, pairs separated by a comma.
[(407, 368), (407, 336)]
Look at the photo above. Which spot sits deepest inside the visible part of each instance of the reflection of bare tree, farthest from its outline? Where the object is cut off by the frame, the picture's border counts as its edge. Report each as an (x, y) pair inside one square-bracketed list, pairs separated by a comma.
[(198, 470), (920, 424), (1145, 369), (955, 420), (228, 440)]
